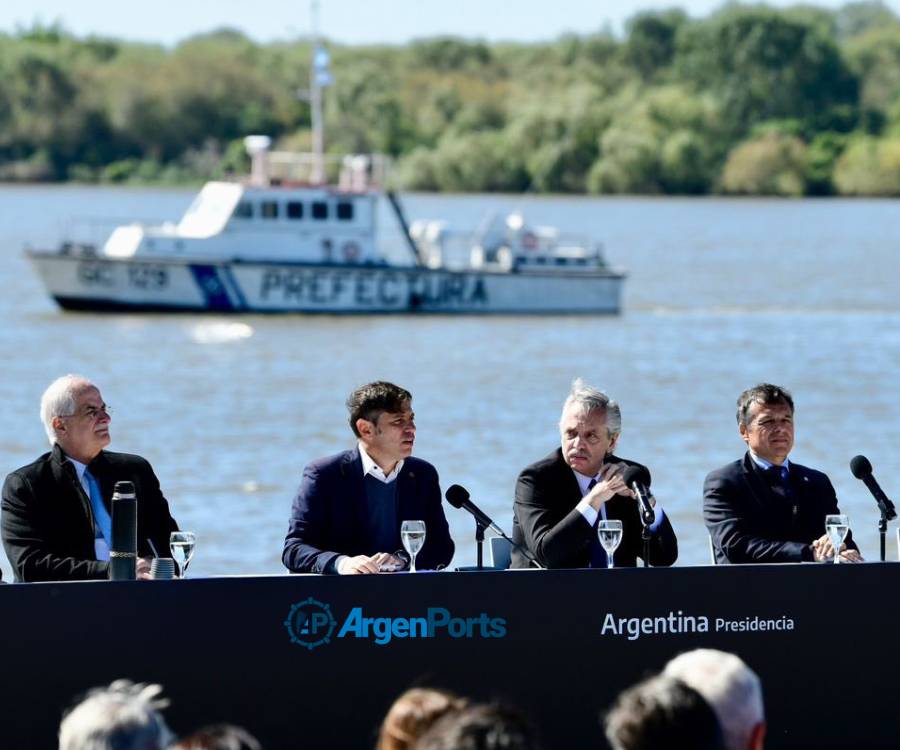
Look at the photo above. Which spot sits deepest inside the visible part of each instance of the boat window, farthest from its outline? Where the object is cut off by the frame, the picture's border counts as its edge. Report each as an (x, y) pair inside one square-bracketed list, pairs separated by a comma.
[(319, 210), (268, 209), (244, 210), (345, 211), (295, 210)]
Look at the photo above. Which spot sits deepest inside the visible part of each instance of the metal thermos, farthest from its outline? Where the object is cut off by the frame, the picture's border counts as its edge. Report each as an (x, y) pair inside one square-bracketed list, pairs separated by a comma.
[(123, 550)]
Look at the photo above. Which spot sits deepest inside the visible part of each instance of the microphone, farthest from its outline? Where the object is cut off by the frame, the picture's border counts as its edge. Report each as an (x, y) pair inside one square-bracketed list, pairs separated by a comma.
[(459, 497), (637, 478), (123, 545), (862, 469)]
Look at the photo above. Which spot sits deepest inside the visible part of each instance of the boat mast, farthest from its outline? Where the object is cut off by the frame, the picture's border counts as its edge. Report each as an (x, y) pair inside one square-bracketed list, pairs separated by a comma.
[(317, 71)]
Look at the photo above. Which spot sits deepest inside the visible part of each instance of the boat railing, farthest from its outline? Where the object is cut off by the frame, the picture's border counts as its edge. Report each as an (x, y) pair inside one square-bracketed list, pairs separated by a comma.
[(87, 235), (349, 172)]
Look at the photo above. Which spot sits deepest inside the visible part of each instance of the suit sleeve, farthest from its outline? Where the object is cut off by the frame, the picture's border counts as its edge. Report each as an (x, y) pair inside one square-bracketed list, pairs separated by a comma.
[(555, 545), (663, 543), (303, 544), (25, 530), (739, 532), (439, 547), (157, 520)]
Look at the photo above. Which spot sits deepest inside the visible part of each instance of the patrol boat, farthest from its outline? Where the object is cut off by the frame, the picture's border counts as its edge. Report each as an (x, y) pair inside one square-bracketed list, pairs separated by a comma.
[(288, 240)]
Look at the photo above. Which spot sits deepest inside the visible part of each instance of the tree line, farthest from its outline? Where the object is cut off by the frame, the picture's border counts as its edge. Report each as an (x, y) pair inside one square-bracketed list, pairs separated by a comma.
[(748, 100)]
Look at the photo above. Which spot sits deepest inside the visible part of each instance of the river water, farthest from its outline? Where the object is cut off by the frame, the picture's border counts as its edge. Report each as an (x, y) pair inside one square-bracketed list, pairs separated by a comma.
[(721, 294)]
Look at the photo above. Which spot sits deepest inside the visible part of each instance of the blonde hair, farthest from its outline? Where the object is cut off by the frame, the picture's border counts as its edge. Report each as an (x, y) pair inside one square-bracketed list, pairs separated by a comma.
[(412, 714)]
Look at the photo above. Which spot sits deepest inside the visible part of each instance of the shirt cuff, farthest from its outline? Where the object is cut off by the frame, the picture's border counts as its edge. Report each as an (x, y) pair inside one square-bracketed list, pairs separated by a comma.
[(339, 562), (587, 510), (659, 517)]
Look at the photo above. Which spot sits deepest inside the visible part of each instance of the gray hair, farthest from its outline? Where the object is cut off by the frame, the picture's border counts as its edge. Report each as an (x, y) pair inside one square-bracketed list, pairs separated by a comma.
[(123, 716), (764, 393), (729, 686), (59, 400), (587, 399)]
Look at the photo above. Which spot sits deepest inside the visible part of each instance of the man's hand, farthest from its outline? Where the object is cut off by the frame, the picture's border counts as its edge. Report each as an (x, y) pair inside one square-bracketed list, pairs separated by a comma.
[(143, 568), (610, 485), (823, 549), (363, 564)]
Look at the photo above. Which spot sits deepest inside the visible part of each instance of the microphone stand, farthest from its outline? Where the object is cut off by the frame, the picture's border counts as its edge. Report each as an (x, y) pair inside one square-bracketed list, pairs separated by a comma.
[(887, 513), (479, 543), (645, 535)]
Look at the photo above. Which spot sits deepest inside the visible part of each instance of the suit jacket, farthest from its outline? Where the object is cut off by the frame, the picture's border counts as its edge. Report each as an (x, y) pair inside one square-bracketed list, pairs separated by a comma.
[(546, 522), (47, 522), (327, 516), (749, 523)]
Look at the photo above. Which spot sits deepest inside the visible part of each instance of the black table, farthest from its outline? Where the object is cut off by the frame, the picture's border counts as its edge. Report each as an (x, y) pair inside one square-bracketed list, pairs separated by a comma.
[(297, 659)]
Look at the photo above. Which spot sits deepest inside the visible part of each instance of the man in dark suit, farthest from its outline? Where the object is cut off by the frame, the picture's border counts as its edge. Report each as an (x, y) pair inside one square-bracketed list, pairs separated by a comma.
[(561, 499), (347, 514), (56, 523), (764, 508)]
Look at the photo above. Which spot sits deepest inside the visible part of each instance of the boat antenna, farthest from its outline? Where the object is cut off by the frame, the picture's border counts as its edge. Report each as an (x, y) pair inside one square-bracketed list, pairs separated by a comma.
[(319, 76)]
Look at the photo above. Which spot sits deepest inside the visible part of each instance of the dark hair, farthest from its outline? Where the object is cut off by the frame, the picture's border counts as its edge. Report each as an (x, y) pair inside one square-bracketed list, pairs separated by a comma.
[(662, 712), (413, 714), (218, 737), (481, 727), (373, 399), (764, 393)]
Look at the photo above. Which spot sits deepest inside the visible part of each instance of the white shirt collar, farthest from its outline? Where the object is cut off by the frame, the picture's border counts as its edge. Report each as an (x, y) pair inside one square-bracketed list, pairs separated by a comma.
[(764, 464), (370, 467), (584, 481)]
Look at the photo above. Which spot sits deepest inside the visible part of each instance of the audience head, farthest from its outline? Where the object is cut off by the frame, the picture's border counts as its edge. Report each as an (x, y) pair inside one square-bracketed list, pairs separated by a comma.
[(481, 727), (731, 688), (218, 737), (412, 715), (662, 712), (123, 716)]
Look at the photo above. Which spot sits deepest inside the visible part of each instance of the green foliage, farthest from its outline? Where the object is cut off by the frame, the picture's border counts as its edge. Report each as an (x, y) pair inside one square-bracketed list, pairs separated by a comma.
[(869, 167), (773, 164), (750, 99)]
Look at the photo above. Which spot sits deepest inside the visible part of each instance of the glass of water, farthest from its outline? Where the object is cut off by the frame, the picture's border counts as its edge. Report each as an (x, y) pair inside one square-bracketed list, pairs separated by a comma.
[(610, 533), (412, 534), (182, 545), (837, 526)]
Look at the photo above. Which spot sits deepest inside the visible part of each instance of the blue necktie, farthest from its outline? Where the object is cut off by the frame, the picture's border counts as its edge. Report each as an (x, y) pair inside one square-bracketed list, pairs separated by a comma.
[(598, 554), (102, 521)]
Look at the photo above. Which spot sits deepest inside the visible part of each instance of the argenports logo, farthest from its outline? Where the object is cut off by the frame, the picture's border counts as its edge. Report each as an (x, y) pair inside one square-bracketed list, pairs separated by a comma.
[(311, 624)]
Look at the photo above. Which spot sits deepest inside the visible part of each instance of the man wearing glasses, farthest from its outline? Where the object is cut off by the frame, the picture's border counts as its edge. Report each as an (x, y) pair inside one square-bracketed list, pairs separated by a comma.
[(347, 514), (764, 508), (56, 512), (561, 499)]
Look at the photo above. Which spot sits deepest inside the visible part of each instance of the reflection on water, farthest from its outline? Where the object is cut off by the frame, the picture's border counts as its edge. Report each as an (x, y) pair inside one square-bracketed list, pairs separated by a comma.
[(721, 294)]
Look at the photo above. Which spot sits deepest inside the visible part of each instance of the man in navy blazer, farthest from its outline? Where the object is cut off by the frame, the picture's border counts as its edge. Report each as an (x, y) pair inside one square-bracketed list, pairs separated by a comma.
[(764, 508), (347, 514)]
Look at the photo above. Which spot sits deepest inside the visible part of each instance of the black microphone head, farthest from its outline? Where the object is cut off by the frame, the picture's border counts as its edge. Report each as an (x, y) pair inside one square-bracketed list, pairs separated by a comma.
[(457, 496), (860, 467), (639, 474)]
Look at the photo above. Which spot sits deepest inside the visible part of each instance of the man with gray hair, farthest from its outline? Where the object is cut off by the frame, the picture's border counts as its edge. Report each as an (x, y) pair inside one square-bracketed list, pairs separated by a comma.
[(764, 508), (731, 688), (561, 499), (55, 515), (123, 716)]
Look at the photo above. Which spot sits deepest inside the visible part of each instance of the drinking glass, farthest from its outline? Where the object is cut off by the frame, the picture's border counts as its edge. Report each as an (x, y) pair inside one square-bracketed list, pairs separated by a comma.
[(837, 526), (182, 545), (412, 534), (610, 533)]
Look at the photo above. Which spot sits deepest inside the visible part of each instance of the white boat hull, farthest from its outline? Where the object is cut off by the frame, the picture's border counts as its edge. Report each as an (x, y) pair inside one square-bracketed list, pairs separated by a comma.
[(97, 283)]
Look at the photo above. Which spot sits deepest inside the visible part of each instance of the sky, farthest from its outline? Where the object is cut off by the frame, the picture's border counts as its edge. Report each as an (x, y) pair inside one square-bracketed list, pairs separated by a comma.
[(348, 21)]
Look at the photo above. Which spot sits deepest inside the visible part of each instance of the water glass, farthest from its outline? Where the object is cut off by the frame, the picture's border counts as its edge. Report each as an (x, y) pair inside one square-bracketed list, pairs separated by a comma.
[(182, 545), (162, 568), (610, 533), (412, 534), (837, 527)]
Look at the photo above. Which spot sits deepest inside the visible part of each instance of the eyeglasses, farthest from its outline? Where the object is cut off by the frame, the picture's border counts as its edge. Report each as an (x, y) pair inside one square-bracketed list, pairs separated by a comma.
[(91, 413)]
